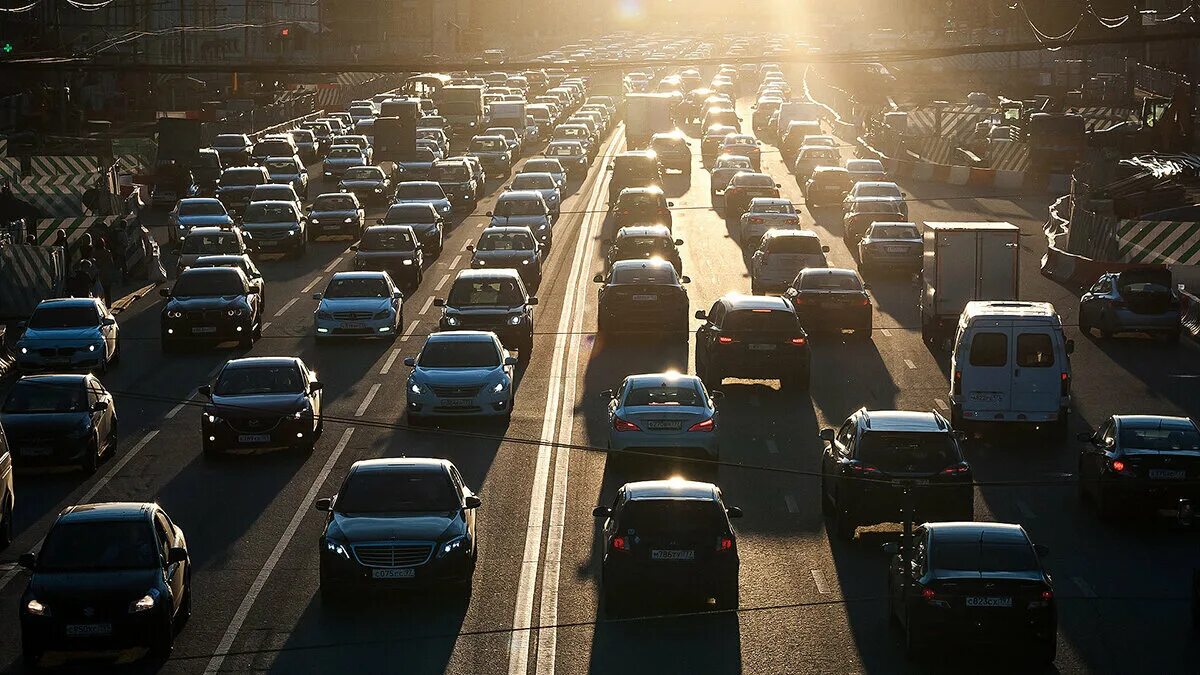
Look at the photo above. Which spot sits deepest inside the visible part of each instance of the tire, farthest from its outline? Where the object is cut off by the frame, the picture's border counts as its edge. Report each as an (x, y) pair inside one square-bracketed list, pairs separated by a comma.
[(247, 339), (185, 607), (91, 460), (211, 450), (914, 650), (1085, 328), (164, 641)]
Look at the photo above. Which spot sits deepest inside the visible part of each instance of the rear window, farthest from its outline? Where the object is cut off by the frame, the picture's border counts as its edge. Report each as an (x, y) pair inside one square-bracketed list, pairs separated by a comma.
[(989, 350), (975, 556), (772, 207), (1160, 439), (334, 203), (755, 180), (894, 232), (907, 452), (656, 518), (666, 394), (1035, 350), (830, 282), (805, 245), (771, 320)]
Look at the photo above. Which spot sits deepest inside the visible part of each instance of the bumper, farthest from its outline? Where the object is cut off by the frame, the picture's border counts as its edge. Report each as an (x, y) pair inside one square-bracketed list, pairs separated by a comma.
[(824, 197), (285, 433), (774, 281), (107, 632), (335, 227), (49, 451), (899, 261), (265, 243), (454, 567), (178, 330), (362, 328), (81, 362), (484, 404), (981, 414), (1150, 323), (984, 626), (687, 443)]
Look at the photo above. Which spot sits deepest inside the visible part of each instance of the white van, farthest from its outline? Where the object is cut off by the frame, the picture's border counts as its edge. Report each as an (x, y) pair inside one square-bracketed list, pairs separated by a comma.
[(1011, 363)]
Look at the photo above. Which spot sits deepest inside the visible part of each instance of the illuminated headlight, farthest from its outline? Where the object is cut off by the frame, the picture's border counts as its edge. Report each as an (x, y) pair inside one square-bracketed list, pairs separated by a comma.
[(36, 608), (379, 189), (415, 388), (144, 603), (175, 314), (212, 419), (336, 548), (459, 543), (514, 320), (24, 350), (92, 348), (500, 386), (292, 233), (542, 227), (315, 221), (524, 262), (233, 311), (481, 263), (347, 221), (406, 262), (452, 321)]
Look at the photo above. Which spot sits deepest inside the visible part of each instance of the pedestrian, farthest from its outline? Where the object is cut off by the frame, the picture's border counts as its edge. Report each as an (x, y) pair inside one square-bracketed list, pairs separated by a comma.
[(60, 239), (118, 246), (82, 281), (106, 270)]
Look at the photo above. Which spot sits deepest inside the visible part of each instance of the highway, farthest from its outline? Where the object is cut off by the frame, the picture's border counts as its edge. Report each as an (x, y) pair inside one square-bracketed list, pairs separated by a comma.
[(808, 603)]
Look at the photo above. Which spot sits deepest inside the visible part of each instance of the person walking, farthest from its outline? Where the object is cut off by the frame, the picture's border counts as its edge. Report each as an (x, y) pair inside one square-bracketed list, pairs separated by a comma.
[(106, 270), (82, 282)]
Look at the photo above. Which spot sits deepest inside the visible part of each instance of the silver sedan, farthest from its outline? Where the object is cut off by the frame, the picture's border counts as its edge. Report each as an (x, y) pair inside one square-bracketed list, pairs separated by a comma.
[(663, 412)]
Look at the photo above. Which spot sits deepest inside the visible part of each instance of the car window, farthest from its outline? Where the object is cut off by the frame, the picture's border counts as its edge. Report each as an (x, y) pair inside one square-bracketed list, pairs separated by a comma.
[(757, 320), (280, 166), (520, 207), (906, 452), (334, 203), (846, 435), (894, 232), (716, 315), (664, 395), (1035, 350), (99, 546), (505, 242), (387, 240), (201, 209), (526, 181), (829, 282), (258, 380), (357, 287), (989, 350), (68, 316), (39, 396), (771, 207), (663, 517), (1159, 439), (983, 556), (645, 275), (451, 173), (418, 191), (363, 173), (459, 354), (208, 284), (397, 492), (488, 144), (802, 245), (343, 153), (241, 177), (165, 539), (269, 213)]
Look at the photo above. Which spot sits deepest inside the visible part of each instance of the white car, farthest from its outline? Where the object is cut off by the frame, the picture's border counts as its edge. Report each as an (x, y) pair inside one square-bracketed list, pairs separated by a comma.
[(781, 255), (362, 304), (766, 213), (663, 411)]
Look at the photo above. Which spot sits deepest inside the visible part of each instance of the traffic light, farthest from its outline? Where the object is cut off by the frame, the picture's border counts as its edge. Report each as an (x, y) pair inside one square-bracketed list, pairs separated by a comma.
[(7, 48), (284, 32)]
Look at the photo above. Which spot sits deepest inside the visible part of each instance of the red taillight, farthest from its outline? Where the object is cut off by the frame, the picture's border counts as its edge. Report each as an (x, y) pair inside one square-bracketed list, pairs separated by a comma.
[(958, 382), (756, 221), (863, 469), (1066, 384), (928, 594), (1047, 595), (624, 425), (725, 340), (726, 544), (620, 544), (799, 341), (864, 302), (1117, 465), (705, 425), (956, 469)]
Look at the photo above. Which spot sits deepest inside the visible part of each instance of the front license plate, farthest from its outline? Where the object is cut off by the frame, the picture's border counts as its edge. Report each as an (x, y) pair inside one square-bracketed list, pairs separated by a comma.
[(89, 629), (455, 402), (406, 573), (203, 330), (350, 325), (1168, 474), (987, 396), (663, 425), (254, 438), (659, 554), (267, 243), (330, 228), (895, 249), (989, 601), (762, 348), (645, 298)]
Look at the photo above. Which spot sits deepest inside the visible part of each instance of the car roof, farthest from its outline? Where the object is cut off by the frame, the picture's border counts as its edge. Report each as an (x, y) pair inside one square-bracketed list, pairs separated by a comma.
[(222, 258), (274, 202), (210, 271), (209, 230), (418, 183), (644, 231), (493, 273), (68, 302), (974, 531), (1009, 309), (262, 361), (324, 195), (771, 201), (461, 336), (106, 511), (649, 189), (830, 170), (1154, 422), (829, 271), (904, 420), (742, 301), (519, 195), (539, 174), (507, 229), (670, 489), (199, 200), (395, 463)]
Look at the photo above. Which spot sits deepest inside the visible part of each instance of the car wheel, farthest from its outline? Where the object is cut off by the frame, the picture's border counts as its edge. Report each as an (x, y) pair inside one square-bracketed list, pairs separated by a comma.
[(1085, 328), (91, 459)]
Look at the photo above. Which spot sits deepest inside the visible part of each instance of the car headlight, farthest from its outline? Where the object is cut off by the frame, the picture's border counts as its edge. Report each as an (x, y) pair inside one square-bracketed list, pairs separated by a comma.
[(24, 350), (336, 548), (233, 311), (500, 386), (144, 603), (36, 608), (379, 189), (514, 319), (292, 233), (174, 314), (524, 262), (415, 388), (347, 221), (212, 419), (406, 262), (314, 221), (459, 543), (542, 227), (452, 321)]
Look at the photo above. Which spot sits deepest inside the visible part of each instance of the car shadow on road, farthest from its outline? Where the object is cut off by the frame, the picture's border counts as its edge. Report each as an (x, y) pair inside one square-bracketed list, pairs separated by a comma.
[(696, 641)]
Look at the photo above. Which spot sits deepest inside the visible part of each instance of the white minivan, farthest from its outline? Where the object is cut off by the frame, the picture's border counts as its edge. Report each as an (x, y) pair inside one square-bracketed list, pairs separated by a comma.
[(1011, 364)]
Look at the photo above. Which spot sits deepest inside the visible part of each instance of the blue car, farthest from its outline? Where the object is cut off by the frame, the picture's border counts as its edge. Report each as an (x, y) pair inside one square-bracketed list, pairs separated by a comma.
[(1134, 301), (69, 334), (365, 304), (461, 373), (423, 192), (198, 212)]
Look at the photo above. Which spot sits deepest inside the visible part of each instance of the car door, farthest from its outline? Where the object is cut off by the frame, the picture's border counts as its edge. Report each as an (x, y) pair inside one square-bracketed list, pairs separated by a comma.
[(837, 452), (707, 333), (1036, 375), (986, 375), (173, 572), (1094, 455), (102, 420), (108, 329), (1095, 300)]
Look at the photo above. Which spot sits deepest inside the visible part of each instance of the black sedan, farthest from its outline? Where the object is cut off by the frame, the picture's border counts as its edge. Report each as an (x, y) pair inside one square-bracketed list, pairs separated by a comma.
[(369, 183), (643, 296), (335, 213), (642, 242), (399, 523), (394, 249), (108, 576), (1146, 461), (59, 419), (425, 221), (262, 403), (642, 205), (832, 299), (211, 303)]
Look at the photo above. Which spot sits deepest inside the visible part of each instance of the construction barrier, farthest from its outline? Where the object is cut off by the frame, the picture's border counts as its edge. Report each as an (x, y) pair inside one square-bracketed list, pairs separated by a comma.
[(53, 201), (1158, 241), (63, 167), (28, 275)]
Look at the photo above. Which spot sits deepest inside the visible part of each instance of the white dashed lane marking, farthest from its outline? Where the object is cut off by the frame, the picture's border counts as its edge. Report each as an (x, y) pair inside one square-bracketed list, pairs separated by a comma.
[(886, 332), (362, 407), (286, 306), (428, 303), (819, 580), (454, 263), (333, 265), (940, 404), (408, 333), (442, 282), (387, 365), (910, 364), (312, 284)]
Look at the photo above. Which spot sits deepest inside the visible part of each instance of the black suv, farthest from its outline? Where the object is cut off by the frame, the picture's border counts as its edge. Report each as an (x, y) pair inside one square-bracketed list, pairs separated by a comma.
[(491, 300), (752, 336), (876, 455), (636, 206), (211, 303), (673, 151), (261, 402), (643, 296), (236, 184), (641, 242), (668, 534), (634, 169)]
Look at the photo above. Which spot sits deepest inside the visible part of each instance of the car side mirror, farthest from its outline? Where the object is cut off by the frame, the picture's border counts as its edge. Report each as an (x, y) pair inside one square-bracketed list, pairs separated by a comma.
[(531, 300), (472, 502), (316, 296), (204, 390), (778, 185), (685, 279), (716, 394), (439, 302), (324, 504), (314, 387), (108, 321), (176, 554), (702, 315), (28, 561), (1070, 346), (99, 406), (679, 242), (826, 435), (866, 286), (165, 292), (607, 394), (471, 248), (510, 360), (410, 362), (891, 548), (734, 512), (598, 512), (1042, 550), (353, 247), (1084, 436), (824, 249), (670, 204)]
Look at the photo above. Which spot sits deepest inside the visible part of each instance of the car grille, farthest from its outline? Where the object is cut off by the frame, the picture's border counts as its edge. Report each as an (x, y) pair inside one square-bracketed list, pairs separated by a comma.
[(205, 314), (255, 425), (480, 322), (456, 391), (352, 316), (51, 352), (392, 555)]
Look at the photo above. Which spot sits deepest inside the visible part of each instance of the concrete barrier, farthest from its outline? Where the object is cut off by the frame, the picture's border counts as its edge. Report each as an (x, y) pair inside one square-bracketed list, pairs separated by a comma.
[(28, 275)]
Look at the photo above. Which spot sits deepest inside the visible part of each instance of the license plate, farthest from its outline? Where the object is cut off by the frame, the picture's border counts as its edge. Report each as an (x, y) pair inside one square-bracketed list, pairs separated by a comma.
[(762, 348), (658, 554), (406, 573), (895, 249), (645, 298), (36, 451), (331, 227), (663, 425), (89, 629), (987, 396), (455, 402), (267, 243), (989, 601), (254, 438), (352, 325), (1168, 474), (831, 304), (202, 330)]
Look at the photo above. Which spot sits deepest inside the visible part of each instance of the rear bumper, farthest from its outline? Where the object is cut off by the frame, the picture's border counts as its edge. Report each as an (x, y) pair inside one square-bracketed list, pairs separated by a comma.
[(818, 320), (983, 414), (683, 442), (1132, 321), (984, 627)]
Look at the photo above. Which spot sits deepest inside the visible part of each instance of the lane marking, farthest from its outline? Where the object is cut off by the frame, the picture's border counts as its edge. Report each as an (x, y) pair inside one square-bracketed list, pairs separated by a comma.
[(239, 617), (819, 580), (266, 325), (286, 306), (941, 404), (1084, 586), (910, 364), (442, 282), (87, 496), (333, 265), (408, 333), (790, 502), (886, 332), (180, 406), (316, 280), (457, 259), (362, 407), (428, 303), (772, 446), (387, 365)]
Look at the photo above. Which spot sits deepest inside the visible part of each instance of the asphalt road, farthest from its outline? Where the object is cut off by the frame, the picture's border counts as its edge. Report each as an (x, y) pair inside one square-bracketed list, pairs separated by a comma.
[(808, 604)]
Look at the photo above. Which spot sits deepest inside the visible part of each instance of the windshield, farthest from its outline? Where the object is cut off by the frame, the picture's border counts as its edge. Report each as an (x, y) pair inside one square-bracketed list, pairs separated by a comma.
[(273, 149), (893, 232), (229, 142), (520, 207), (257, 380), (258, 212), (356, 287), (665, 394), (527, 181), (418, 191), (734, 164), (571, 132), (821, 154), (397, 491), (211, 244), (641, 200), (208, 284), (889, 206), (488, 145), (342, 153), (430, 134), (201, 209), (505, 242), (405, 214), (498, 292), (754, 180), (982, 556), (363, 173), (907, 452), (77, 316), (459, 354), (830, 282), (334, 203), (563, 151), (864, 166), (551, 166), (98, 546), (1160, 439), (456, 173), (40, 396), (776, 320)]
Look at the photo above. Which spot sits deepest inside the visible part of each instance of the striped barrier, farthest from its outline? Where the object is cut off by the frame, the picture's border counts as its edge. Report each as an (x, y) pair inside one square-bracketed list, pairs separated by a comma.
[(1158, 241), (1010, 156), (10, 168), (74, 227), (28, 275), (54, 201), (3, 147), (957, 121), (937, 150), (1099, 118), (51, 166)]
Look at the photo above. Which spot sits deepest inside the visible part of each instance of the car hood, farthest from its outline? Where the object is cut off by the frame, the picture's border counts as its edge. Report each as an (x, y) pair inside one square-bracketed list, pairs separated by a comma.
[(255, 405), (385, 255), (455, 376), (76, 587), (29, 425), (502, 258), (35, 338), (205, 302), (235, 189), (204, 221), (354, 304), (422, 526), (343, 161), (333, 215)]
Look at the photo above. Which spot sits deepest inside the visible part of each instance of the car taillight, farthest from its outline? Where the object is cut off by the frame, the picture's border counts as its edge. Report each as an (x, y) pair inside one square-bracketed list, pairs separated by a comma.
[(799, 341), (1042, 601), (958, 382), (704, 425), (725, 340), (624, 425), (956, 469), (863, 469), (619, 543), (928, 593), (864, 302), (1117, 465), (725, 544), (756, 220), (1066, 384), (1047, 595)]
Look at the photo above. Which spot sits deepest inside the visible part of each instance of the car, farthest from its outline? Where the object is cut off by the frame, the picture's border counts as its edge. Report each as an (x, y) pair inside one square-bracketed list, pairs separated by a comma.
[(792, 138), (242, 262), (743, 188), (751, 336), (336, 213), (640, 206), (572, 155), (832, 299), (477, 173), (891, 247), (435, 134), (579, 133), (827, 186), (809, 157), (69, 334), (369, 183), (711, 140), (209, 241), (544, 183), (645, 297), (197, 212), (322, 131), (418, 166), (764, 214), (307, 146), (276, 192), (875, 456), (511, 138), (663, 412), (233, 149), (236, 183), (547, 165), (492, 300), (395, 249), (460, 373), (763, 109), (423, 217), (673, 152), (214, 303), (360, 303), (288, 171), (423, 192), (820, 140), (643, 242), (667, 534), (866, 170), (633, 169), (458, 181), (342, 157), (359, 140), (724, 168), (276, 227), (398, 523), (524, 208), (206, 171), (721, 114), (882, 190), (1135, 300), (493, 152), (60, 419), (273, 145), (108, 576), (509, 247), (781, 255), (261, 403), (1139, 462), (858, 215), (743, 145)]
